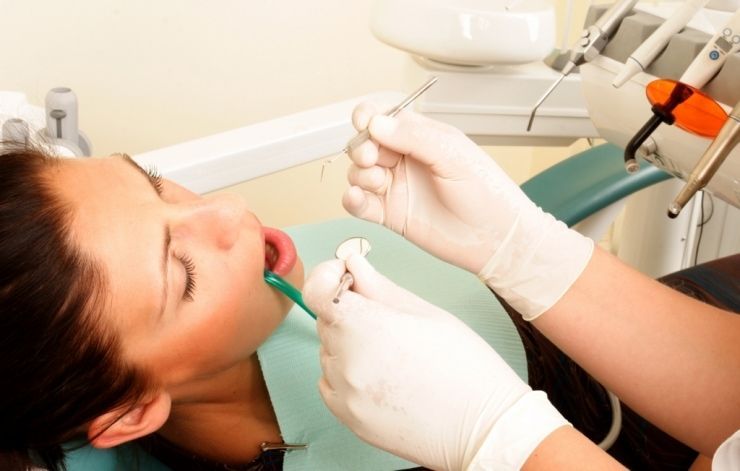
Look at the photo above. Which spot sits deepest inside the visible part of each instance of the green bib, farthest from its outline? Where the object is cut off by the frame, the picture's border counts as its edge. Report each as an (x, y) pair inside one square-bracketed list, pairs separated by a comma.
[(290, 357)]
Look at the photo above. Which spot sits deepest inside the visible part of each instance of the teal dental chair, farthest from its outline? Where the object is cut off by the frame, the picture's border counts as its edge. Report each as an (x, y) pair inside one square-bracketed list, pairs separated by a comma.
[(586, 183), (575, 190)]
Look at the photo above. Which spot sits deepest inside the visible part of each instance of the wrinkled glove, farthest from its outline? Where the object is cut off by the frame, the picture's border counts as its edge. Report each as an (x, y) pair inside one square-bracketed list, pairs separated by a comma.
[(428, 182), (410, 378)]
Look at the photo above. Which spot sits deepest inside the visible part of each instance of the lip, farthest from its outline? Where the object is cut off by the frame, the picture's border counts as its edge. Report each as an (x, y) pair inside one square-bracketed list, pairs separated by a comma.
[(280, 252)]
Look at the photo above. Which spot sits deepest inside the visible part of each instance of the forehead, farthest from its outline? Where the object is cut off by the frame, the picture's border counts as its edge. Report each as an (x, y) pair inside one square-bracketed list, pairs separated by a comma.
[(101, 194), (91, 174), (113, 222)]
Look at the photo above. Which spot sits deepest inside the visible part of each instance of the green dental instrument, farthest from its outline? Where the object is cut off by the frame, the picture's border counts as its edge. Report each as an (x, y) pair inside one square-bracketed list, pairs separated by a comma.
[(288, 290)]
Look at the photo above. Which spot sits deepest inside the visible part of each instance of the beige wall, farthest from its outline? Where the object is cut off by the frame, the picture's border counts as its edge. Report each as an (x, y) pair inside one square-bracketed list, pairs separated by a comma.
[(153, 73)]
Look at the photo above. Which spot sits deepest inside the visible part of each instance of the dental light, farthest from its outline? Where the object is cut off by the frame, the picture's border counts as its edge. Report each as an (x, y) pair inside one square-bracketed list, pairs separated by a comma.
[(592, 42), (709, 61)]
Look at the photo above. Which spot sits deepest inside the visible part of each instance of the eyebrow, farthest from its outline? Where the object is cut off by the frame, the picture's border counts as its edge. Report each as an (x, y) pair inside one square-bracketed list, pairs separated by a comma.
[(167, 238)]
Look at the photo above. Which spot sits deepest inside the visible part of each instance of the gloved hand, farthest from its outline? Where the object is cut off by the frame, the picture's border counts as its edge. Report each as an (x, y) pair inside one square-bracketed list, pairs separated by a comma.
[(412, 379), (428, 182)]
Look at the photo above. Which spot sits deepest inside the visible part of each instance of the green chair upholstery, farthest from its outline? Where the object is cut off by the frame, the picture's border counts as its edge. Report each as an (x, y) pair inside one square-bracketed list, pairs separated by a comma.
[(587, 182), (127, 457)]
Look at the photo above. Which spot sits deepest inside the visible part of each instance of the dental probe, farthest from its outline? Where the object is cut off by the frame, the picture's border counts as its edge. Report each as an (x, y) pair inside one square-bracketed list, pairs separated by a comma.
[(364, 135), (345, 283), (701, 70), (593, 40), (644, 55), (709, 163)]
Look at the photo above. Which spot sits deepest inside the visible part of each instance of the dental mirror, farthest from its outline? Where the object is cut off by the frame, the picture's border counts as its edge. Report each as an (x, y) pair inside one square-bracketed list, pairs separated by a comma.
[(351, 246)]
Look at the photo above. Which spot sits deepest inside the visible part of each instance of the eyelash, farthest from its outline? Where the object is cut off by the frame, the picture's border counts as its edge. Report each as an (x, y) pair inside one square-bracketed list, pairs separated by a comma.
[(187, 262), (156, 178)]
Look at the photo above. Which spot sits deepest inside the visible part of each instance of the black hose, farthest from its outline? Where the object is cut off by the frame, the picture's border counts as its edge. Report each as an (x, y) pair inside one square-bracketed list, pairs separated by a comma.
[(662, 113)]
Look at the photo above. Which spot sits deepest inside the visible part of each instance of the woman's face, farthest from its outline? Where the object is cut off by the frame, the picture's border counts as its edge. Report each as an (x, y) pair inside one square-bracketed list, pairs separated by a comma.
[(185, 273)]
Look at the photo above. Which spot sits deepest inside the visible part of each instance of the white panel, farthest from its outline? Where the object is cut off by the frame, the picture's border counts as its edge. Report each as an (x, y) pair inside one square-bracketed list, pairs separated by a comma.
[(231, 157)]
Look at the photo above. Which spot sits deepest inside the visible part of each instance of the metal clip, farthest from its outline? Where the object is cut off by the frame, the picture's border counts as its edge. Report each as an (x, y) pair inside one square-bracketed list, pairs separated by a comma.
[(285, 447)]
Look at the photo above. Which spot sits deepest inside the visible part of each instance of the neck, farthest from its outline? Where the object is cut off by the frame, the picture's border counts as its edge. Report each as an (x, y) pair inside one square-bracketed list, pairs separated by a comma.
[(235, 401)]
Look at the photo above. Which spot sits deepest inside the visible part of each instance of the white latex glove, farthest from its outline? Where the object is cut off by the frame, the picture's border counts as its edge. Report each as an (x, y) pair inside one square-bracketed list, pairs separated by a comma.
[(428, 182), (410, 378)]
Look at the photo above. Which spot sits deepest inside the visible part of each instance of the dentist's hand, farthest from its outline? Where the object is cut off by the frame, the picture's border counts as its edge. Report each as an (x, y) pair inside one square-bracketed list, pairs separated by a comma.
[(412, 379), (428, 182)]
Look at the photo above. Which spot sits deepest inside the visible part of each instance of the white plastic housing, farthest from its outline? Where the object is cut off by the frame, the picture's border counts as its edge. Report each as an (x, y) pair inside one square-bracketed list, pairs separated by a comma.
[(468, 32), (724, 5), (62, 114), (619, 113)]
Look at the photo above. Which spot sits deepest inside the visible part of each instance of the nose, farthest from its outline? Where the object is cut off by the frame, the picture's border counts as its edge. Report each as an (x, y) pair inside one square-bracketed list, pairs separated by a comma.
[(216, 218)]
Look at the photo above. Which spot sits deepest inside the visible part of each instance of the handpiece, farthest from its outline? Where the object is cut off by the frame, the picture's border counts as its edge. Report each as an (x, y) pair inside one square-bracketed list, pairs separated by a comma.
[(709, 163), (644, 55), (714, 55), (593, 40), (709, 61)]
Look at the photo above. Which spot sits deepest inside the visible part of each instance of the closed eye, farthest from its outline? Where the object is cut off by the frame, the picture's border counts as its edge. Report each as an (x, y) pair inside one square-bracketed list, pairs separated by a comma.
[(189, 289), (155, 177)]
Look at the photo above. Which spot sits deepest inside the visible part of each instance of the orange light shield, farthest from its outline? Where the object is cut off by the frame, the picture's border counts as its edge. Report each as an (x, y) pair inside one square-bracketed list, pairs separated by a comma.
[(699, 114)]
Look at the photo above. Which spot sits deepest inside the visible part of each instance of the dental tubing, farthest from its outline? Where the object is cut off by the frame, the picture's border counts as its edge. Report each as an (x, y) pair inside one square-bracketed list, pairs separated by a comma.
[(644, 55), (288, 290)]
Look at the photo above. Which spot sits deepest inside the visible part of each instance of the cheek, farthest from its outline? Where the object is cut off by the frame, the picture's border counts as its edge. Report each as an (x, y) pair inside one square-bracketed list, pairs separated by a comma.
[(240, 312), (236, 310)]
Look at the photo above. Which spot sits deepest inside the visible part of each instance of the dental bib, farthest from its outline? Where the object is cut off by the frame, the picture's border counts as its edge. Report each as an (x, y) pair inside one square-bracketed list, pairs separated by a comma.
[(290, 357)]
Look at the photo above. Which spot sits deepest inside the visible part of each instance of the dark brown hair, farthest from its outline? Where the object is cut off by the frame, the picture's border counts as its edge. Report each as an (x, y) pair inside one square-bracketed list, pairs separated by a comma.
[(60, 364)]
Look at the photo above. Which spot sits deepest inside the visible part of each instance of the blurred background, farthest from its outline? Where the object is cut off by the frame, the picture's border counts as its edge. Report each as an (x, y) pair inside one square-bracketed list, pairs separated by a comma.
[(150, 74)]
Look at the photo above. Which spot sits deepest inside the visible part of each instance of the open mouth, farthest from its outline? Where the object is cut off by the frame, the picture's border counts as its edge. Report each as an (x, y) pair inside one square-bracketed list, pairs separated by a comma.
[(280, 252)]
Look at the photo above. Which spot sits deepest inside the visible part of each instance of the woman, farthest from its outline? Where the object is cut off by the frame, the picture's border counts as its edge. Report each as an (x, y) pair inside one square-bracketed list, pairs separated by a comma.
[(130, 305)]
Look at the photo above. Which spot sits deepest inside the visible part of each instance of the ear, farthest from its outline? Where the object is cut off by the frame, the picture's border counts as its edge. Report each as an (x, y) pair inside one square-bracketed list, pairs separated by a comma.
[(112, 429)]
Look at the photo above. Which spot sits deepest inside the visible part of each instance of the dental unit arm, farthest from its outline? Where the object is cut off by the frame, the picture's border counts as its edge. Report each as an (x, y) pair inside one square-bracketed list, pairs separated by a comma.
[(710, 161), (593, 40), (231, 157)]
